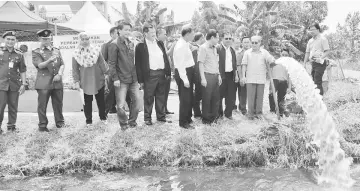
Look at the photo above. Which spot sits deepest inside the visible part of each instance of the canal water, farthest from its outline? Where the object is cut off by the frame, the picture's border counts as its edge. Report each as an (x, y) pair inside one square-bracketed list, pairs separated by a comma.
[(252, 179)]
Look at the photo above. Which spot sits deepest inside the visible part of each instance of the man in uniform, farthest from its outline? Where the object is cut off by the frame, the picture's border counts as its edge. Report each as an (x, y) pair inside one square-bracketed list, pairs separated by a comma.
[(50, 66), (12, 79)]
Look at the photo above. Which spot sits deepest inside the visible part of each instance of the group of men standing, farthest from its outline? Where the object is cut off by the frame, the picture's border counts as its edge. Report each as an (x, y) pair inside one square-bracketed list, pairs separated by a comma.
[(217, 71), (214, 70)]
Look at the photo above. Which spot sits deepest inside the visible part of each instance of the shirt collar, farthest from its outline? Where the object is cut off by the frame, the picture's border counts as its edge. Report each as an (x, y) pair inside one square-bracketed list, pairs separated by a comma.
[(252, 50), (148, 41), (317, 36), (209, 45), (5, 48), (225, 46)]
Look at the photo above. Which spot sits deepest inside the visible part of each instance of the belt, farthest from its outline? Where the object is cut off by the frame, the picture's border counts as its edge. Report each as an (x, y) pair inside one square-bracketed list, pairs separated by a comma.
[(158, 70), (186, 67), (210, 74)]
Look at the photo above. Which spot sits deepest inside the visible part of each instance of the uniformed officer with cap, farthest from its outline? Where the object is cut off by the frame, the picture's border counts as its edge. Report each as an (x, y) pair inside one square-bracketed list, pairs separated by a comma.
[(12, 79), (50, 68)]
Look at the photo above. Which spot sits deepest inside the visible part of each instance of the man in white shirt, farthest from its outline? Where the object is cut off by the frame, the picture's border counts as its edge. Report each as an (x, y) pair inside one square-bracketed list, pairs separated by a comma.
[(228, 72), (184, 75), (153, 70), (317, 50)]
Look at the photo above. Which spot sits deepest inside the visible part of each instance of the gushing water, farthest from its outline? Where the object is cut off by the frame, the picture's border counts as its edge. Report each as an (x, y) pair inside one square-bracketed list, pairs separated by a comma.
[(334, 166)]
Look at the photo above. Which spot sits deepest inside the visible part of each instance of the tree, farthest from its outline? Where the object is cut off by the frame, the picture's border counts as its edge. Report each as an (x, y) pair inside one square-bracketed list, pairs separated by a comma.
[(209, 19), (258, 18), (351, 30), (304, 14), (195, 18), (338, 45), (146, 12)]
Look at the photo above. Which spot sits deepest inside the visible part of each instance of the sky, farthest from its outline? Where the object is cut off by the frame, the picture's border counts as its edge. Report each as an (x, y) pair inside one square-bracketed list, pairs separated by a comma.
[(183, 10)]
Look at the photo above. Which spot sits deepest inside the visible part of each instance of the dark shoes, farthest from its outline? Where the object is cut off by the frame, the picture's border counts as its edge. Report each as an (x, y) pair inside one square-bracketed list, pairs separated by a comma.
[(124, 127), (113, 111), (187, 126), (197, 116), (164, 121), (169, 113), (230, 118), (133, 124), (61, 125), (148, 123), (43, 129)]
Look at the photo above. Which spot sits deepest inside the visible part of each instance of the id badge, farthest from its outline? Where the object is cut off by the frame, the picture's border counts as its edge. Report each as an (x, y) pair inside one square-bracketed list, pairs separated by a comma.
[(11, 64)]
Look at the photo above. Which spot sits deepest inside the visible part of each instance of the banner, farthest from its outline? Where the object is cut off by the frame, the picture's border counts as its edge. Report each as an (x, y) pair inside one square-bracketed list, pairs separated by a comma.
[(67, 45)]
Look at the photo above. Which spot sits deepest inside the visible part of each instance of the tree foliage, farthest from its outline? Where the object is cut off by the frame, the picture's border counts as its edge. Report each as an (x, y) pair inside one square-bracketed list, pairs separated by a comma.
[(304, 14), (350, 30), (258, 18), (146, 12)]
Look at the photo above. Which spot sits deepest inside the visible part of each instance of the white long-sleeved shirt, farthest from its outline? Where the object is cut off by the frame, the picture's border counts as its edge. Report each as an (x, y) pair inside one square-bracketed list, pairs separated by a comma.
[(156, 57), (183, 58), (228, 59)]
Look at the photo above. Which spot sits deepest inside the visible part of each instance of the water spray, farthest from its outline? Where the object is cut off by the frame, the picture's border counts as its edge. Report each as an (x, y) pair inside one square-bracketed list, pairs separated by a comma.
[(334, 165)]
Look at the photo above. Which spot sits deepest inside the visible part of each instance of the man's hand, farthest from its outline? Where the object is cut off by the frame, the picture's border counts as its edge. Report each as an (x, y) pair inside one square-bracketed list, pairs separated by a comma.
[(53, 58), (117, 83), (186, 84), (288, 91), (236, 78), (203, 82), (77, 86), (220, 80), (141, 86), (57, 78), (22, 89), (242, 81), (168, 77)]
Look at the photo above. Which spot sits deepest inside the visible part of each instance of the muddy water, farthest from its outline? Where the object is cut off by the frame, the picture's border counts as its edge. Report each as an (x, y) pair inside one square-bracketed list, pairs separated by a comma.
[(171, 179)]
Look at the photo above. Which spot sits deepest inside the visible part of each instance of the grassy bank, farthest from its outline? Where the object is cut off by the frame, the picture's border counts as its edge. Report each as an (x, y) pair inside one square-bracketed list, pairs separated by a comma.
[(237, 143)]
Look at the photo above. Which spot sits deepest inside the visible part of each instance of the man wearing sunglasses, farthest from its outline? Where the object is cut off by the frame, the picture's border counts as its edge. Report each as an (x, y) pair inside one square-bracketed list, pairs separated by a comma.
[(12, 79), (228, 72), (50, 68), (254, 71)]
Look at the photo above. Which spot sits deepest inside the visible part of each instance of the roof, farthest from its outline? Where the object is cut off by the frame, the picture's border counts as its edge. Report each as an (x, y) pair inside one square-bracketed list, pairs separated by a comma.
[(16, 12), (90, 20), (15, 16), (57, 10)]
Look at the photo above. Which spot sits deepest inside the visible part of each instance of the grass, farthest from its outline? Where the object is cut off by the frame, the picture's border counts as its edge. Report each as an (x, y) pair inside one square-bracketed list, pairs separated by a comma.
[(237, 143)]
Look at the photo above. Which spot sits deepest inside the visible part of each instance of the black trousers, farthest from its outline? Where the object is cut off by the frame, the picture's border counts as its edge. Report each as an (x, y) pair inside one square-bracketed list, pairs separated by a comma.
[(110, 99), (100, 101), (242, 96), (186, 96), (154, 88), (167, 91), (210, 98), (280, 88), (10, 98), (317, 73), (227, 91), (197, 96), (57, 104)]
